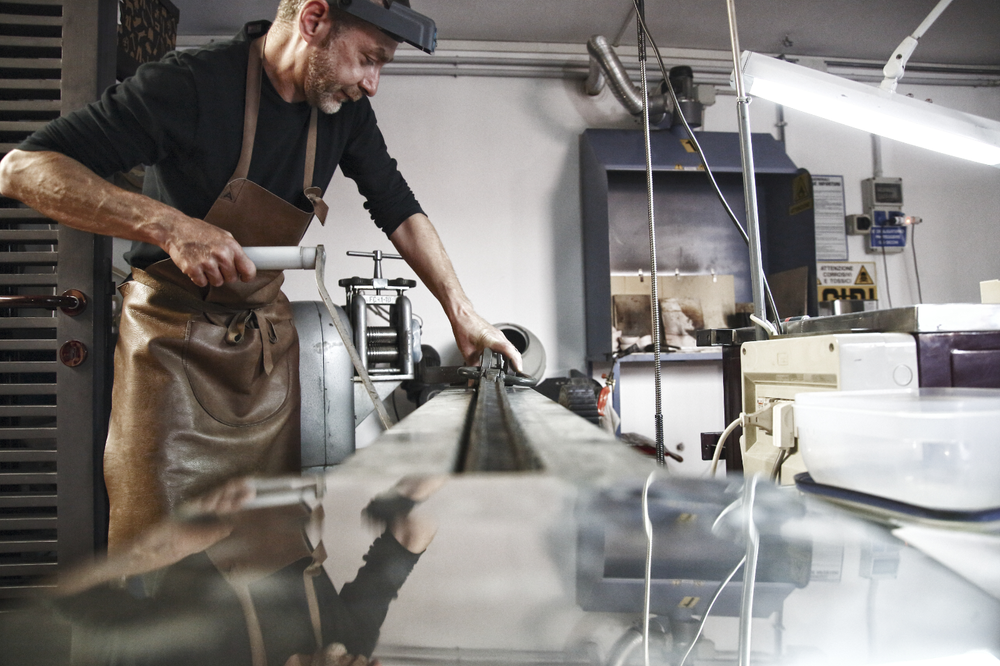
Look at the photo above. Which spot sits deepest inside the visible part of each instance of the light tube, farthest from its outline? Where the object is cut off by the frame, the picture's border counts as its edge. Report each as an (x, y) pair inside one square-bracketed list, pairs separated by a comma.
[(872, 110)]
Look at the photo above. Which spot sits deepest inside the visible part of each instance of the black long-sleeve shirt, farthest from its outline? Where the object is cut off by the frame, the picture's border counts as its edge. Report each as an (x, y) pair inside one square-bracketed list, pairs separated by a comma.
[(195, 617), (183, 118)]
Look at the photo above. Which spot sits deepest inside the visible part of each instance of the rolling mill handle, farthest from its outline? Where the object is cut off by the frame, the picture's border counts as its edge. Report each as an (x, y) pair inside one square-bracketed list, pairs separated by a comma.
[(282, 258)]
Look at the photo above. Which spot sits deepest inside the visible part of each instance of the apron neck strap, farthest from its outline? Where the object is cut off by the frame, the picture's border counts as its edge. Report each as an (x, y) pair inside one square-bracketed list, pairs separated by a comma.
[(255, 71)]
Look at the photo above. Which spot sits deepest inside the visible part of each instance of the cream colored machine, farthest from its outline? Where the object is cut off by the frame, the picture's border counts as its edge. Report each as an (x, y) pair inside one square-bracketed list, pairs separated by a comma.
[(774, 371)]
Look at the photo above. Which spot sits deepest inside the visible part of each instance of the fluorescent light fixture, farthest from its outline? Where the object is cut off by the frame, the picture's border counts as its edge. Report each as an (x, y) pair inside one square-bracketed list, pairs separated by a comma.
[(872, 110)]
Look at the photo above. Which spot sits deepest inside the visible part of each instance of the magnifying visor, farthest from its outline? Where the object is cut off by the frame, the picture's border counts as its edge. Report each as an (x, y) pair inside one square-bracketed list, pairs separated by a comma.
[(395, 19)]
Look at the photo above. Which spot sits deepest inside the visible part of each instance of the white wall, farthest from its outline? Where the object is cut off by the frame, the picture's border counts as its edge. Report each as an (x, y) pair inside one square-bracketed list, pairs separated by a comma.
[(495, 163)]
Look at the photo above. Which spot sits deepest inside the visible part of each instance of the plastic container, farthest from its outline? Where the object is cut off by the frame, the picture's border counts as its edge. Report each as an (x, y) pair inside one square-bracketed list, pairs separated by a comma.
[(932, 448)]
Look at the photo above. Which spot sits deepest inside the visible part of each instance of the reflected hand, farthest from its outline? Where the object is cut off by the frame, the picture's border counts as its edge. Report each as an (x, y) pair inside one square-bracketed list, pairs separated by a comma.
[(334, 654), (394, 510)]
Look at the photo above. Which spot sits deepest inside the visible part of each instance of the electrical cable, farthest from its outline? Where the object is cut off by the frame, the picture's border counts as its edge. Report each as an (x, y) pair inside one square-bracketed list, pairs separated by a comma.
[(740, 420), (647, 526), (778, 462), (708, 609), (885, 270), (750, 573), (701, 154), (916, 269), (721, 442), (725, 512)]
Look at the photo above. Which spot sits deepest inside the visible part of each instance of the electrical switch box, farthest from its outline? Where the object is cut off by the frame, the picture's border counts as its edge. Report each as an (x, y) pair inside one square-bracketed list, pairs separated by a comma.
[(775, 371), (882, 194)]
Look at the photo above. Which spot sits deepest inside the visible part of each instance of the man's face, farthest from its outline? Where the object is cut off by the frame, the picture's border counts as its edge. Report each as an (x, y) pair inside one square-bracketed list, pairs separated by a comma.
[(347, 66)]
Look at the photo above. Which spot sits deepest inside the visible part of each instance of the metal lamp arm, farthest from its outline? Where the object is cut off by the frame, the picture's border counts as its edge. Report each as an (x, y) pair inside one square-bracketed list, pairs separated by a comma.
[(895, 68)]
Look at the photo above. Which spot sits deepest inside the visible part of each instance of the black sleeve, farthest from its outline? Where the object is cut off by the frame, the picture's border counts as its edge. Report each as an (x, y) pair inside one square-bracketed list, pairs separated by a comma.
[(367, 597), (138, 121), (366, 160)]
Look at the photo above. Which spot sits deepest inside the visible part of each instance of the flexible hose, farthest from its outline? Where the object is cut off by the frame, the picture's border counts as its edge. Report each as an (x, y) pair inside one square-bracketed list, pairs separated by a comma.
[(618, 80)]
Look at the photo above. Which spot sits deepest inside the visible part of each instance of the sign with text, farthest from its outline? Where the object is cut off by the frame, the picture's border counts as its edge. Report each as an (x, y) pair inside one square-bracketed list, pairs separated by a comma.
[(846, 281), (831, 235)]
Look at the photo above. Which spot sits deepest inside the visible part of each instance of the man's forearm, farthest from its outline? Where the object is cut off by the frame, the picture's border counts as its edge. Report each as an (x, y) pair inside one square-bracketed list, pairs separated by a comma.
[(419, 244), (64, 190)]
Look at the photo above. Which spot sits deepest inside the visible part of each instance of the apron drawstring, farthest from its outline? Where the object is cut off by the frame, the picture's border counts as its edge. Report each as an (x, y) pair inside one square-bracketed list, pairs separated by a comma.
[(236, 332)]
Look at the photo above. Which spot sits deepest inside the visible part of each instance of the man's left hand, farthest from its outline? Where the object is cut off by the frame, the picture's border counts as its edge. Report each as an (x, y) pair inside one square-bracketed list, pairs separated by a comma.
[(473, 334)]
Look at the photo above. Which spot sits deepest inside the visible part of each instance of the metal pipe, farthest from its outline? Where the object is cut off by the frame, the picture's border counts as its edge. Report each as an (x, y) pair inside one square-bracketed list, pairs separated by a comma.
[(404, 325), (633, 99), (876, 156), (595, 79), (749, 186)]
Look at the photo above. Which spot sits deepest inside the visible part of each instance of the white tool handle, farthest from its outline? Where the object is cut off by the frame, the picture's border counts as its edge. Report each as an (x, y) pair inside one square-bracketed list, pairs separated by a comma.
[(282, 257)]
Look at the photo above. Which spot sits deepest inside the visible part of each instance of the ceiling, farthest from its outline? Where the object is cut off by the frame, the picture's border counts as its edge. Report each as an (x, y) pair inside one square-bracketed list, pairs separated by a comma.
[(966, 34)]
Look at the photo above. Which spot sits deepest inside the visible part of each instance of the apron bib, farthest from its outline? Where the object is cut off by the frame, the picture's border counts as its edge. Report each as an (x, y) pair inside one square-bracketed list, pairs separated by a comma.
[(206, 379)]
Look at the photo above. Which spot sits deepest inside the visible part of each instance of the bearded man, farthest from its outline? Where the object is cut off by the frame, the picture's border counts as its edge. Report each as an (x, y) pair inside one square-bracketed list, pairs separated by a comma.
[(239, 138)]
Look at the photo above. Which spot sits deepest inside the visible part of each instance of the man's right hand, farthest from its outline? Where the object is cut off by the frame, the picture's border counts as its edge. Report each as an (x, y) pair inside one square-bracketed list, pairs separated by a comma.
[(207, 254)]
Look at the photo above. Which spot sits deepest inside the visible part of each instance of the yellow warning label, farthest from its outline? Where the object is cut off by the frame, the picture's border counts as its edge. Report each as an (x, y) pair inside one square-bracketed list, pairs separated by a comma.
[(689, 145), (864, 277), (846, 281), (689, 602), (802, 197)]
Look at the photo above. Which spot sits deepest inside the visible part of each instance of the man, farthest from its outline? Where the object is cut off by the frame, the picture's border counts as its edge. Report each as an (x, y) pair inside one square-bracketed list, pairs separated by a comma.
[(206, 366)]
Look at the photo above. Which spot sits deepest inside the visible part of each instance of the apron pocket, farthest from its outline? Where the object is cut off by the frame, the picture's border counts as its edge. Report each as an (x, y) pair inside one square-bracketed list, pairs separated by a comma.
[(229, 381)]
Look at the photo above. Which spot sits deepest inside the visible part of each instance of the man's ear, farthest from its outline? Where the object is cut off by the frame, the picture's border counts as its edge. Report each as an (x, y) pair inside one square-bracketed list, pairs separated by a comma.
[(314, 21)]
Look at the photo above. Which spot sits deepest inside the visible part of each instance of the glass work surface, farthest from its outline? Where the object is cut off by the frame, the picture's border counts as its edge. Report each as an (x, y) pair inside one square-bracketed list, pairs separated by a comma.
[(522, 568)]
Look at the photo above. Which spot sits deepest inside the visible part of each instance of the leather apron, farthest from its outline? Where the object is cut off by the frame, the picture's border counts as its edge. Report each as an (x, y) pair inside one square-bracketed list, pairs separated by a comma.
[(206, 379)]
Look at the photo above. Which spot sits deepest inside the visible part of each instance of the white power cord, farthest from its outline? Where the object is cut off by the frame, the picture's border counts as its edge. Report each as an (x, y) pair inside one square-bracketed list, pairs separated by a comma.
[(762, 418), (647, 525)]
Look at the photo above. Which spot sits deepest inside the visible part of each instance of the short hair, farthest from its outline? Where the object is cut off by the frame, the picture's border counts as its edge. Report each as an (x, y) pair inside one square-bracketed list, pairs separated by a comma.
[(288, 11)]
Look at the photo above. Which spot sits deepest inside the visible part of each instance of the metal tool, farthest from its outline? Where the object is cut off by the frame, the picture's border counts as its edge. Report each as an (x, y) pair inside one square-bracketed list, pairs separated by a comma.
[(385, 351), (494, 440), (498, 367), (295, 258)]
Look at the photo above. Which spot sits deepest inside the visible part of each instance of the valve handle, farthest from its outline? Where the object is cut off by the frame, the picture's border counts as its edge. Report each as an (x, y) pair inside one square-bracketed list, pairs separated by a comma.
[(378, 256)]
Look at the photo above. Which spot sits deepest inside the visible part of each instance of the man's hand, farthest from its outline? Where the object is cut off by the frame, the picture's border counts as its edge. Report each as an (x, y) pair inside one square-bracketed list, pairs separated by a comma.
[(207, 254), (473, 334)]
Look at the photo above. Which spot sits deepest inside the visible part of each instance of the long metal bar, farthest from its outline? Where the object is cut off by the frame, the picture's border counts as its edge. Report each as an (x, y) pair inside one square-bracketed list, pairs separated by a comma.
[(654, 287), (749, 186), (493, 440)]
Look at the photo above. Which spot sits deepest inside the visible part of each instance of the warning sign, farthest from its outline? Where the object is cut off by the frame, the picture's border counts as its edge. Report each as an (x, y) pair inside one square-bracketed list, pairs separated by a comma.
[(802, 194), (846, 281)]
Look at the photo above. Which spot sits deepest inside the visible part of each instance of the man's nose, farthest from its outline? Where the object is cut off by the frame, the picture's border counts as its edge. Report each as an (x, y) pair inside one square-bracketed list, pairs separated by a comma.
[(369, 84)]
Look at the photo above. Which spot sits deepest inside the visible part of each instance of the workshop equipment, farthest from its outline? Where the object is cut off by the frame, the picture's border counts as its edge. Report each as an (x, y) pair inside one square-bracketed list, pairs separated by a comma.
[(293, 258), (385, 351)]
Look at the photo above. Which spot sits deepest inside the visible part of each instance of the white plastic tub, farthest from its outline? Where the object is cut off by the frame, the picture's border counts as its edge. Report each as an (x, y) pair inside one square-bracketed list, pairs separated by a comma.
[(933, 448)]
